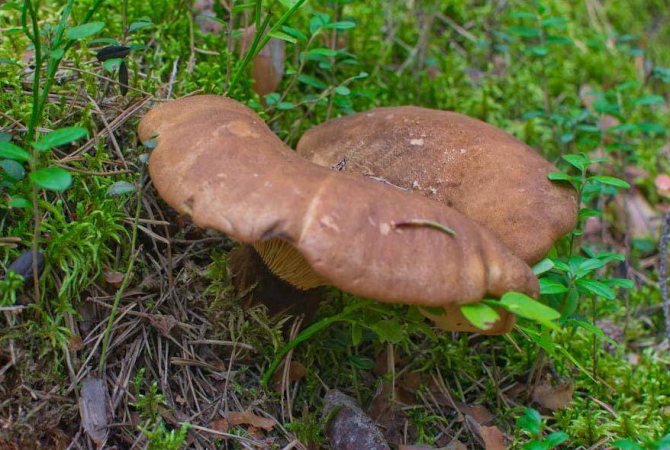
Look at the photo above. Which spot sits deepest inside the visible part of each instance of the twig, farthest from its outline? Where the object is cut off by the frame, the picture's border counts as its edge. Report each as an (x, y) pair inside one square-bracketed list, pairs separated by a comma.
[(663, 270)]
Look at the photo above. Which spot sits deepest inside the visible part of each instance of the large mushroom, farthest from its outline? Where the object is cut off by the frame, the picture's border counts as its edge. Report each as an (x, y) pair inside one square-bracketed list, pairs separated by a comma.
[(216, 161), (483, 172)]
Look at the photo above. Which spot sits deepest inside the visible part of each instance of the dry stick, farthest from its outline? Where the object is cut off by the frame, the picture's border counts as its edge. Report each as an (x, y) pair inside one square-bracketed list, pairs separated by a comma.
[(663, 270)]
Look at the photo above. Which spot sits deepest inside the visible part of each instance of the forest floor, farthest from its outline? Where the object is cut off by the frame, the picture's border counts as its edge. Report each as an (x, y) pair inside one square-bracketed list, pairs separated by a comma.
[(134, 312)]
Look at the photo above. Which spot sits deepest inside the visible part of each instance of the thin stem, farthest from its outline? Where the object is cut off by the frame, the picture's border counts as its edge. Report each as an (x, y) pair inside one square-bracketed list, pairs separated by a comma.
[(306, 334), (124, 283)]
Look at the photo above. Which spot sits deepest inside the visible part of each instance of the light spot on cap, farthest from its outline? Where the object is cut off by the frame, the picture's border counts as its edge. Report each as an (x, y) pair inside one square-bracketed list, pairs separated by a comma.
[(416, 142), (241, 128), (384, 228)]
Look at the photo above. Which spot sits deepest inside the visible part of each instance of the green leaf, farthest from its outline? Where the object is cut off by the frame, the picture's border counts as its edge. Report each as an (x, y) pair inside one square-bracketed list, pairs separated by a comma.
[(623, 283), (648, 100), (59, 137), (14, 170), (480, 315), (342, 90), (627, 445), (524, 306), (356, 334), (144, 22), (539, 50), (84, 30), (19, 202), (312, 81), (558, 22), (388, 331), (549, 286), (560, 176), (596, 288), (526, 32), (283, 37), (361, 362), (556, 438), (285, 106), (52, 179), (579, 161), (531, 421), (343, 25), (110, 65), (611, 181), (57, 53), (12, 151), (543, 266), (295, 33), (120, 188)]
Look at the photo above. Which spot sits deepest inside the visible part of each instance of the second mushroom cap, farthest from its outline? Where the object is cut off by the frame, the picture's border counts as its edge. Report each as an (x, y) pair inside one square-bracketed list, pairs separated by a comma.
[(465, 163)]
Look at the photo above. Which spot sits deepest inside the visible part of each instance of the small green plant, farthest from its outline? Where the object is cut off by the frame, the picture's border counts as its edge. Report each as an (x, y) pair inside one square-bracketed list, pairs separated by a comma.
[(160, 438), (149, 406), (530, 423), (661, 444)]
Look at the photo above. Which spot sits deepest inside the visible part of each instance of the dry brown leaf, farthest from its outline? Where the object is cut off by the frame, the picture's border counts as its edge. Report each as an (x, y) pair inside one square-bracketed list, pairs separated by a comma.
[(296, 371), (113, 278), (93, 409), (493, 438), (478, 412), (221, 425), (553, 397), (75, 343), (163, 323), (249, 418)]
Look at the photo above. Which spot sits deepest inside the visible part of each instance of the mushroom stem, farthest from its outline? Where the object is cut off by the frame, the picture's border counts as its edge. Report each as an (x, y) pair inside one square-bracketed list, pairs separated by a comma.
[(258, 285)]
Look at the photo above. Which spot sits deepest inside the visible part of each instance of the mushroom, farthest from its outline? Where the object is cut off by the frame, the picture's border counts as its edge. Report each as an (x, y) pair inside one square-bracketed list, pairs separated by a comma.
[(465, 163), (216, 161)]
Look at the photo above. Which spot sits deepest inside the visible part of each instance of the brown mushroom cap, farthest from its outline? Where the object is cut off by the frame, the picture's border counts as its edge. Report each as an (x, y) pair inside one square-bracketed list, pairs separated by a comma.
[(217, 161), (465, 163)]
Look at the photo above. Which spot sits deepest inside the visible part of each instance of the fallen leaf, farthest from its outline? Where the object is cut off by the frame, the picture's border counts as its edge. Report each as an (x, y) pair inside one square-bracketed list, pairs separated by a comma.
[(93, 409), (113, 278), (163, 323), (221, 425), (75, 343), (478, 412), (296, 371), (553, 397), (249, 418), (493, 438)]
